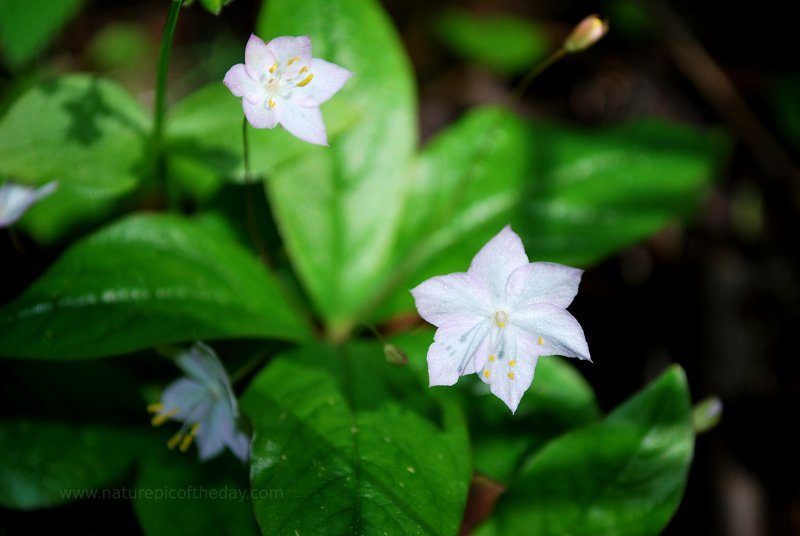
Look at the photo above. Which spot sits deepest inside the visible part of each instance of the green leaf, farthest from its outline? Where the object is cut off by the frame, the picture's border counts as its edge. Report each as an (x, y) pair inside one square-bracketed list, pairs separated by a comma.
[(337, 206), (50, 463), (26, 26), (67, 212), (623, 476), (206, 128), (559, 400), (145, 280), (355, 445), (77, 130), (176, 494), (214, 6), (586, 196), (501, 42), (464, 186), (594, 193)]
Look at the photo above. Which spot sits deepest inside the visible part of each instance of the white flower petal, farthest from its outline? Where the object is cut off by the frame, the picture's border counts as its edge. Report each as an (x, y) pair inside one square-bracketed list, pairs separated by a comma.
[(259, 114), (328, 79), (241, 85), (16, 199), (555, 331), (285, 48), (495, 262), (542, 282), (185, 399), (258, 58), (209, 439), (459, 348), (509, 370), (239, 444), (305, 123), (444, 297)]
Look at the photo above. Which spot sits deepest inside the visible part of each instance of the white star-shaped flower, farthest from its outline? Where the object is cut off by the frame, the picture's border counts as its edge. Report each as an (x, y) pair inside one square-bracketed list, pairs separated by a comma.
[(205, 403), (16, 199), (499, 317), (280, 82)]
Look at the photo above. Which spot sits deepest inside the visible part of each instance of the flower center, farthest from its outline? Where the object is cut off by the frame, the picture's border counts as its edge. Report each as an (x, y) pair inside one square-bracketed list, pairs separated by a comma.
[(501, 319), (283, 78)]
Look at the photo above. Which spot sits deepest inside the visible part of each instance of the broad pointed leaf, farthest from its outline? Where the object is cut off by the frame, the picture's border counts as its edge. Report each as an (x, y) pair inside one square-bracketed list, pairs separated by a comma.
[(623, 476), (145, 280), (338, 207), (356, 446), (592, 193), (49, 463), (77, 129)]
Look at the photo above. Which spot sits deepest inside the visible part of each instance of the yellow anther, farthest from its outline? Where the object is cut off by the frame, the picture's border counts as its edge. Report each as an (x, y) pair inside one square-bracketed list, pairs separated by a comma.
[(303, 70), (486, 373), (273, 68), (306, 81), (510, 375), (155, 408), (512, 363), (271, 103), (501, 318), (292, 60), (492, 358), (161, 418), (541, 341), (174, 440), (187, 440)]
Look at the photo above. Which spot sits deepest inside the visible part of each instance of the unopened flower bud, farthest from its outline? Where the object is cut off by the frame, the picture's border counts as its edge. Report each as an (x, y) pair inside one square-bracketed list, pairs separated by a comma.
[(395, 355), (588, 32), (706, 414)]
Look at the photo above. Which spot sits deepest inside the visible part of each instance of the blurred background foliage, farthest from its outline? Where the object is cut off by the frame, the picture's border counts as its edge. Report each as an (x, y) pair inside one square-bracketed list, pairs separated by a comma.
[(715, 289)]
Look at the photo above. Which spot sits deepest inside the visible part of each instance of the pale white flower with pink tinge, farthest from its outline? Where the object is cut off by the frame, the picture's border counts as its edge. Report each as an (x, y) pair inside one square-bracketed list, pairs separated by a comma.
[(499, 317), (280, 83)]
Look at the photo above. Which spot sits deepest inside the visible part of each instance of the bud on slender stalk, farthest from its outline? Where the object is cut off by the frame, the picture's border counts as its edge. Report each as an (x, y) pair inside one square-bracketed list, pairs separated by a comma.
[(395, 355), (588, 32)]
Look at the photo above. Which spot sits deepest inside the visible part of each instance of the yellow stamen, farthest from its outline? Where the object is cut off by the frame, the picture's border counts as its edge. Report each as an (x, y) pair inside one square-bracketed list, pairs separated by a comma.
[(306, 81), (501, 318), (486, 373), (271, 103), (303, 70), (174, 440), (189, 438), (155, 408), (187, 441), (510, 375), (541, 341), (161, 418), (273, 68), (512, 363), (492, 358), (292, 60)]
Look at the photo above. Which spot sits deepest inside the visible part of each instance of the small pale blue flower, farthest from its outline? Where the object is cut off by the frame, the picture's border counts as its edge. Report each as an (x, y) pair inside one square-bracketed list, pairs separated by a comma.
[(204, 401)]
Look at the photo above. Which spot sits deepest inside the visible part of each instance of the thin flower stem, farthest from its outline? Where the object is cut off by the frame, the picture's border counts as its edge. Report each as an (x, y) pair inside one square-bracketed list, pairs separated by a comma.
[(250, 365), (15, 240), (159, 109), (534, 73), (252, 227), (291, 296), (374, 332)]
